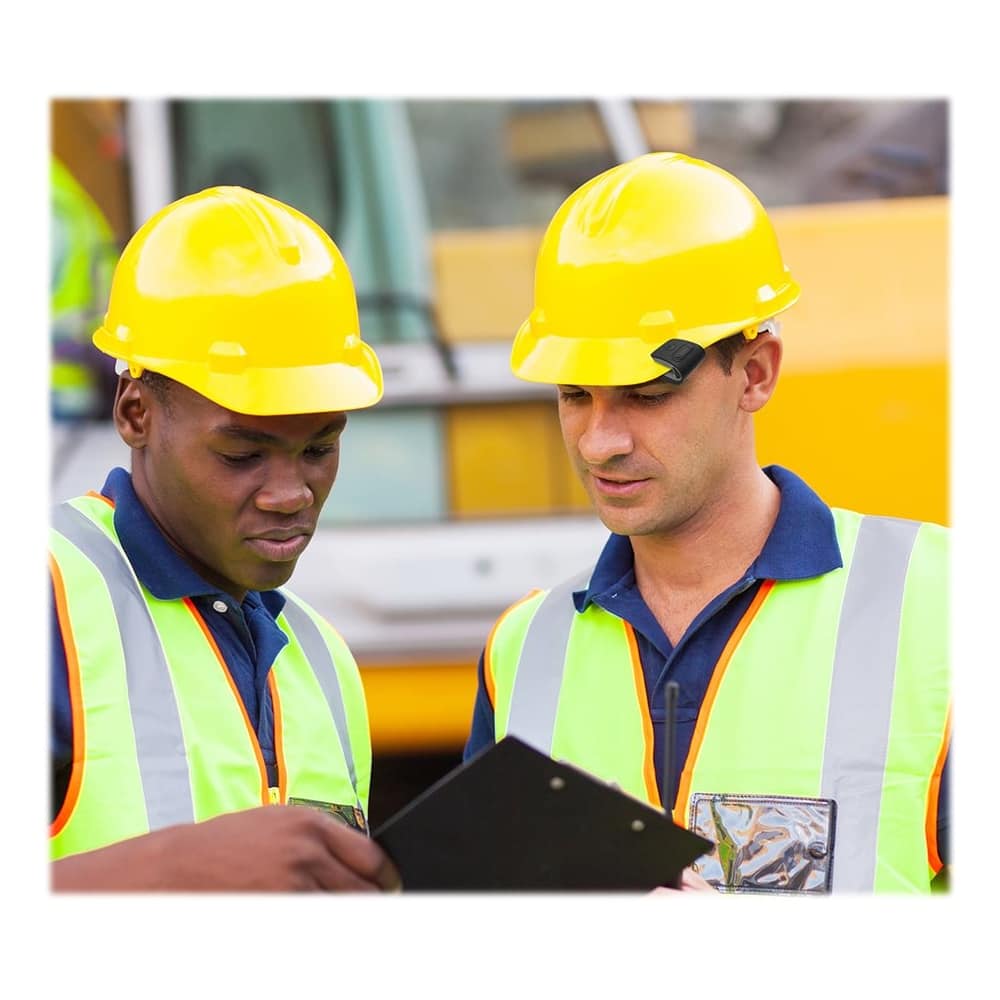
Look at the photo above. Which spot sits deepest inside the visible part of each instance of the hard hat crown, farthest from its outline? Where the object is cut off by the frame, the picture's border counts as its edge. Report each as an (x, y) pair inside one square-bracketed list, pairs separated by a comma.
[(244, 300), (663, 247)]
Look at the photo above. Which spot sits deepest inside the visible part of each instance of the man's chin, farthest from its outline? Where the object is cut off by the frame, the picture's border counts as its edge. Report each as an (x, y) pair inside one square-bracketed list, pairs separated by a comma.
[(618, 518), (272, 575), (617, 525), (626, 522)]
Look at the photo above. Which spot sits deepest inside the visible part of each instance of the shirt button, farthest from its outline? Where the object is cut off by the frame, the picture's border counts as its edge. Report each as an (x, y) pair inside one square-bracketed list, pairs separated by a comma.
[(220, 606)]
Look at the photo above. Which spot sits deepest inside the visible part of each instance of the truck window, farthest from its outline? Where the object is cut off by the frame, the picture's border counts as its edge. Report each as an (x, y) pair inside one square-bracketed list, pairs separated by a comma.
[(282, 148), (502, 163)]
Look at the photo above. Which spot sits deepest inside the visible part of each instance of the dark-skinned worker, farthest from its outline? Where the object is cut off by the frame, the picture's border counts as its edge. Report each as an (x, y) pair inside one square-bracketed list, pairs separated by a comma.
[(209, 730), (809, 644)]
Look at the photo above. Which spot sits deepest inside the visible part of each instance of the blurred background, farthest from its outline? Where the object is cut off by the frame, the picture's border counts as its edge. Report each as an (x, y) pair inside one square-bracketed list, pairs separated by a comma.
[(454, 496)]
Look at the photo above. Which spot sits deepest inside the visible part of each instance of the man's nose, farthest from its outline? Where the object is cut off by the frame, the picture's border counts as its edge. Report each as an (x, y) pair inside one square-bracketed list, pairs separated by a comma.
[(285, 491), (606, 435)]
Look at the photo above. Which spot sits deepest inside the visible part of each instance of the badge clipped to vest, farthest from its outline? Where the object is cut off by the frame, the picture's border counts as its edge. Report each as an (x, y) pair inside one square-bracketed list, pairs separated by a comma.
[(765, 843), (351, 815)]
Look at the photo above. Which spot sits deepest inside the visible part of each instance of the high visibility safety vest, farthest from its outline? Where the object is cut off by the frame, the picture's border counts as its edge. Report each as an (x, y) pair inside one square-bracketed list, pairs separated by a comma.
[(160, 734), (816, 757), (82, 247), (83, 257)]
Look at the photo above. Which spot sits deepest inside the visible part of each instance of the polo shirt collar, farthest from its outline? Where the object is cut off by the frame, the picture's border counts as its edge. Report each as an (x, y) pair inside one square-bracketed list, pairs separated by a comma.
[(802, 544), (157, 564)]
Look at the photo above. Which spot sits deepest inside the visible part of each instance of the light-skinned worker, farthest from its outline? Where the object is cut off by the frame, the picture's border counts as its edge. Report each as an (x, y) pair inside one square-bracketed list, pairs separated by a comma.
[(809, 644), (209, 730)]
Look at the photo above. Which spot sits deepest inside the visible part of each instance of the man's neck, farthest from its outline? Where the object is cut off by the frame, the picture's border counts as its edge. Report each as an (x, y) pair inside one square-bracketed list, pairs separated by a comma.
[(679, 572)]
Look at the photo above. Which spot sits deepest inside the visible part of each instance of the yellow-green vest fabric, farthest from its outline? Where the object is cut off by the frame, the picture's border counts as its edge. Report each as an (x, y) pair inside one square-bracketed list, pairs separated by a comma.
[(832, 688), (83, 251), (83, 257), (160, 733)]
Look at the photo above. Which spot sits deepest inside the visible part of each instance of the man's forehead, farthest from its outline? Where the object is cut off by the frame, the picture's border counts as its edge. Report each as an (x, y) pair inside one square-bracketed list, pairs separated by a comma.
[(280, 427)]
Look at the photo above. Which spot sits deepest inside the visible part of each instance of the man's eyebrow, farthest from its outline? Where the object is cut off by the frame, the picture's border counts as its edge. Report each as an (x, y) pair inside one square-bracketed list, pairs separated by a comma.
[(263, 437), (659, 380)]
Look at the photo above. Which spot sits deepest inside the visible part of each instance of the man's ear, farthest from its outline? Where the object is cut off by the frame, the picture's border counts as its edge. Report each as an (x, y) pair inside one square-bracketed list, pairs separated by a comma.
[(760, 363), (132, 411)]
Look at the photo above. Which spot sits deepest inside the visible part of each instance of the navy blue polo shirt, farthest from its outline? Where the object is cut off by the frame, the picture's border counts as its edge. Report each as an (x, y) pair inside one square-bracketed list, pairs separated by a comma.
[(247, 634), (802, 544)]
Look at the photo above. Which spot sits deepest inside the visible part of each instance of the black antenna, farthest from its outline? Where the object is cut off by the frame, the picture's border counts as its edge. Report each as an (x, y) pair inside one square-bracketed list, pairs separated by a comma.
[(670, 690)]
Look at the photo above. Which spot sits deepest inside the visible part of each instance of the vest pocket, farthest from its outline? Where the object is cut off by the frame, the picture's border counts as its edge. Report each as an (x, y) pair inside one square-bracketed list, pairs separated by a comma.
[(765, 843)]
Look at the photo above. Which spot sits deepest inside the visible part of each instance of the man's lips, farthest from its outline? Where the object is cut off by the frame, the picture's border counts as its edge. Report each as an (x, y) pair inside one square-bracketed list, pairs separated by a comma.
[(281, 545), (617, 487)]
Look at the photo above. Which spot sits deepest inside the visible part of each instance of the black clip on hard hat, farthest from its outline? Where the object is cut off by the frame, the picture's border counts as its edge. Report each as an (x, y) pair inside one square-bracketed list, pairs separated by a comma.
[(681, 356)]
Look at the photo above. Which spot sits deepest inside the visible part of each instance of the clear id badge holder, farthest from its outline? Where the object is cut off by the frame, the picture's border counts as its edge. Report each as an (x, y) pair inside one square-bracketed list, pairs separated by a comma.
[(765, 843)]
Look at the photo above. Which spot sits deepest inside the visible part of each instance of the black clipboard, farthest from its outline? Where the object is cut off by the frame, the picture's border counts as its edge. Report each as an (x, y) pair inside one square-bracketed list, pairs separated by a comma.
[(512, 818)]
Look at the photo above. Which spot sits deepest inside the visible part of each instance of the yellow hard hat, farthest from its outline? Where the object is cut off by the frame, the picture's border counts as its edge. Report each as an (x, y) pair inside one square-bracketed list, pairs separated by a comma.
[(245, 300), (645, 266)]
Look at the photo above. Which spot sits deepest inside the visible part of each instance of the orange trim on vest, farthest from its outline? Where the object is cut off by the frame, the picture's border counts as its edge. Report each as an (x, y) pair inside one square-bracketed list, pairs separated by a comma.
[(930, 822), (706, 706), (100, 496), (75, 701), (649, 769), (251, 732), (279, 749), (488, 651)]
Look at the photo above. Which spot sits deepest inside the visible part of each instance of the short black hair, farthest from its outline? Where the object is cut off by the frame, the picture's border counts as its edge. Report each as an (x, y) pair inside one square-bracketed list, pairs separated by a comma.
[(725, 350), (158, 384)]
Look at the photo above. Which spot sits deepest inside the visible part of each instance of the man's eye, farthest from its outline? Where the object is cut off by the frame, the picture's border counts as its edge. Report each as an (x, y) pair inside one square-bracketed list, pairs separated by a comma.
[(245, 459), (652, 400), (321, 451), (569, 395)]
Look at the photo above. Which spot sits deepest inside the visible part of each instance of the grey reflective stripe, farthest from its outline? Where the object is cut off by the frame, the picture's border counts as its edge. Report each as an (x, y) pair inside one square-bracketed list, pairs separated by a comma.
[(864, 669), (159, 740), (321, 660), (535, 697)]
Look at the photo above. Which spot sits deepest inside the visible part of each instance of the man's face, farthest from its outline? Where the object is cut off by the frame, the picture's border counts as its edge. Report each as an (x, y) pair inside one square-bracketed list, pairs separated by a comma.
[(239, 496), (654, 456)]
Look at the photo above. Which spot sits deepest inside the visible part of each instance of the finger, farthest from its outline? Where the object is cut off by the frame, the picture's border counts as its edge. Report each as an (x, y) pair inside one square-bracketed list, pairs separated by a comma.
[(388, 877), (331, 875), (362, 855), (691, 881)]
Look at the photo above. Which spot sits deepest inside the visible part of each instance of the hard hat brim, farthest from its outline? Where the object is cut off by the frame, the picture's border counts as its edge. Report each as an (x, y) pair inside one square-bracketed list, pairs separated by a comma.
[(541, 355), (582, 360), (347, 384)]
